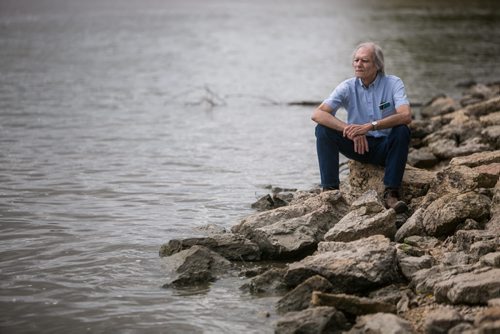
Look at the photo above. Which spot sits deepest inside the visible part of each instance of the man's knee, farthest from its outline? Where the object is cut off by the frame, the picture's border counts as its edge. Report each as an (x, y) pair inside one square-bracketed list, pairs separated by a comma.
[(401, 133), (323, 132)]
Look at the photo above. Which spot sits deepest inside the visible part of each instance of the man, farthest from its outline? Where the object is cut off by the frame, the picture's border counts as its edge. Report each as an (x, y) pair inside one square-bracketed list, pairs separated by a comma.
[(376, 131)]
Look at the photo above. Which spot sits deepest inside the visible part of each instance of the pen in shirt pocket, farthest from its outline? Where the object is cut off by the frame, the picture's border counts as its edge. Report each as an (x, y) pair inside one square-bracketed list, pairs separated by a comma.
[(384, 105)]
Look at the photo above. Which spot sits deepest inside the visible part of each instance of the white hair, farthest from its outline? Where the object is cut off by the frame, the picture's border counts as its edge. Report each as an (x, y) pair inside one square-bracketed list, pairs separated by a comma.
[(378, 55)]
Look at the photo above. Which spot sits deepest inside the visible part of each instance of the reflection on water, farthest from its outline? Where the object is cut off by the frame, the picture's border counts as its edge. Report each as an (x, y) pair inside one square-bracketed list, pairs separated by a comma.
[(124, 124)]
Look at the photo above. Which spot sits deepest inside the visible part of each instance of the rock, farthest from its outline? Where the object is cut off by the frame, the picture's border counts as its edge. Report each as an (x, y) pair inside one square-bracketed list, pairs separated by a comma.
[(439, 105), (422, 158), (300, 297), (409, 265), (264, 203), (413, 226), (469, 288), (313, 320), (460, 179), (364, 221), (351, 267), (269, 282), (441, 320), (477, 159), (196, 265), (293, 231), (381, 323), (450, 148), (232, 247), (491, 135), (441, 218), (484, 108), (365, 177), (350, 304), (390, 294), (488, 321), (491, 119), (423, 281), (491, 259)]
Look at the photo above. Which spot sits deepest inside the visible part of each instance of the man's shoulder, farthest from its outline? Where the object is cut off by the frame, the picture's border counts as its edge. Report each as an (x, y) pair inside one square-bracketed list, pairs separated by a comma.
[(391, 78)]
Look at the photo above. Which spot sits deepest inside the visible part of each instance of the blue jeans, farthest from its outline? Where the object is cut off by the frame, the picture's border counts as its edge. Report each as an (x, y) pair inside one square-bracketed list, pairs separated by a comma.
[(390, 152)]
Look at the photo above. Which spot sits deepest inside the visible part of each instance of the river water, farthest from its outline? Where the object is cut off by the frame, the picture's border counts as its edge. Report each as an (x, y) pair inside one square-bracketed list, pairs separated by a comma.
[(124, 124)]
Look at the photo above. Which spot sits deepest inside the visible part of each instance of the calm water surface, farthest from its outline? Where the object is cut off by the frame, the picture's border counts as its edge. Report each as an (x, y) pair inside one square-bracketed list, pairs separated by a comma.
[(124, 124)]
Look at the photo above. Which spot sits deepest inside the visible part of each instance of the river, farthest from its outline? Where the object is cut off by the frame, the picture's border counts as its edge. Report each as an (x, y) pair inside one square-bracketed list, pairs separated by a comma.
[(127, 123)]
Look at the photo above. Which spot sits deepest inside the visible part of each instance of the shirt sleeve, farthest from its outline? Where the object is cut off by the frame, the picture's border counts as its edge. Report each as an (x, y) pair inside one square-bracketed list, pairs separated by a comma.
[(400, 97), (338, 97)]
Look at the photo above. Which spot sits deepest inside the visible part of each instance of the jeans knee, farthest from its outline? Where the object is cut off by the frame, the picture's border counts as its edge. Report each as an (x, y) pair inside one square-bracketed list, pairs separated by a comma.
[(401, 133)]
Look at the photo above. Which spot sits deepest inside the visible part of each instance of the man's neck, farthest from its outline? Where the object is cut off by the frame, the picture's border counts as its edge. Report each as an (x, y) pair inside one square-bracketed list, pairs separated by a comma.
[(369, 81)]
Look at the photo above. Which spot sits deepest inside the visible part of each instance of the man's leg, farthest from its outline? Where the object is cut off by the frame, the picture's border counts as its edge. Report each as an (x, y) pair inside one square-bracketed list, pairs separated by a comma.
[(328, 145), (396, 146)]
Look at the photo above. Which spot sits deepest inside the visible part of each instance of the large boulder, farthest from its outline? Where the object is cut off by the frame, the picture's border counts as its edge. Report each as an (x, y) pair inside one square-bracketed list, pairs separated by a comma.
[(312, 321), (294, 231), (193, 266), (300, 297), (470, 288), (365, 177), (442, 217), (439, 105), (351, 267), (381, 323), (231, 246)]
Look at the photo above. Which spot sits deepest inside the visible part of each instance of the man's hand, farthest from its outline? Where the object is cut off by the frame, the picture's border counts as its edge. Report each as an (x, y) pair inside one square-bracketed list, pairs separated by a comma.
[(360, 144), (354, 130)]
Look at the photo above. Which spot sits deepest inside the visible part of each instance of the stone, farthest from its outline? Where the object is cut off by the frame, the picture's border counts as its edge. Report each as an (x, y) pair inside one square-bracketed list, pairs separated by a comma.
[(269, 282), (490, 119), (351, 304), (492, 136), (294, 231), (488, 321), (312, 321), (441, 218), (457, 179), (413, 226), (424, 280), (381, 323), (491, 259), (477, 159), (360, 224), (473, 288), (439, 105), (351, 267), (232, 247), (409, 265), (484, 108), (422, 158), (441, 320), (300, 297), (193, 266)]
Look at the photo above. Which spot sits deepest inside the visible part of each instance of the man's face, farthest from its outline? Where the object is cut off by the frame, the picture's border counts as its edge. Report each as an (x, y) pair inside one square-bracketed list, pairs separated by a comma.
[(364, 66)]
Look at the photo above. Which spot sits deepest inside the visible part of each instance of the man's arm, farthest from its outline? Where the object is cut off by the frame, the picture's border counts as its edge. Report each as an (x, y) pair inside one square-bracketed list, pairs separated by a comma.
[(402, 116), (323, 115)]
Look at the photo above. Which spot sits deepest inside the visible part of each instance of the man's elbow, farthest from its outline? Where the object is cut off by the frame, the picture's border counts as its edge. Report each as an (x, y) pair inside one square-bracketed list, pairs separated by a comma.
[(315, 117)]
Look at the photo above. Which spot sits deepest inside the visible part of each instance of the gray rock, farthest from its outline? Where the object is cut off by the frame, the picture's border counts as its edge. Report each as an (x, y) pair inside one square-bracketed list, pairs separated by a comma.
[(477, 159), (441, 320), (390, 294), (231, 246), (300, 297), (369, 201), (269, 282), (315, 320), (443, 215), (459, 179), (423, 281), (293, 231), (196, 265), (469, 288), (360, 223), (413, 226), (484, 108), (462, 328), (488, 321), (350, 304), (439, 105), (351, 267), (409, 265), (491, 259), (422, 158), (381, 323)]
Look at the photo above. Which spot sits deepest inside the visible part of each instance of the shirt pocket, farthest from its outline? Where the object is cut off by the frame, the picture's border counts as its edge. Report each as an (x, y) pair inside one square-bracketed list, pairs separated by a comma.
[(386, 108)]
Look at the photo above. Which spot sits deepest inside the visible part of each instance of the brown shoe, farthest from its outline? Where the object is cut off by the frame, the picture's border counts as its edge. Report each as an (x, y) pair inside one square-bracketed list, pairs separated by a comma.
[(392, 200)]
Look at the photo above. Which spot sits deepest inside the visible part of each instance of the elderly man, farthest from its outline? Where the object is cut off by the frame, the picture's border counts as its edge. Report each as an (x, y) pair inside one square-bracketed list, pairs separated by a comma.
[(376, 131)]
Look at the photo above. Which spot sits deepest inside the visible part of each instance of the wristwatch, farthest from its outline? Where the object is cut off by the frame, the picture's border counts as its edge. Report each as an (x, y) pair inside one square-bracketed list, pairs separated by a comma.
[(374, 125)]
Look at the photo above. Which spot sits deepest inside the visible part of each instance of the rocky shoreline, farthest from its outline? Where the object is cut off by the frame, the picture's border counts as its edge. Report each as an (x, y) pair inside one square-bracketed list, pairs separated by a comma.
[(347, 264)]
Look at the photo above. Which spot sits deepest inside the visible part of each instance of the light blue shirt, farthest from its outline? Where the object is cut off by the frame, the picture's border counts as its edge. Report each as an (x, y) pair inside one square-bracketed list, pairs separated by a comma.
[(367, 104)]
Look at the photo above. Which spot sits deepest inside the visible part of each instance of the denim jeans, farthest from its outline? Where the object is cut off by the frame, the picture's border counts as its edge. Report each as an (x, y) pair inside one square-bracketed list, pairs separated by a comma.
[(390, 152)]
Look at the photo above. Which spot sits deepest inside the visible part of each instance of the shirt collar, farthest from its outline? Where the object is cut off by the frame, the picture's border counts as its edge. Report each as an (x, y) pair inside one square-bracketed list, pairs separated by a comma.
[(374, 83)]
